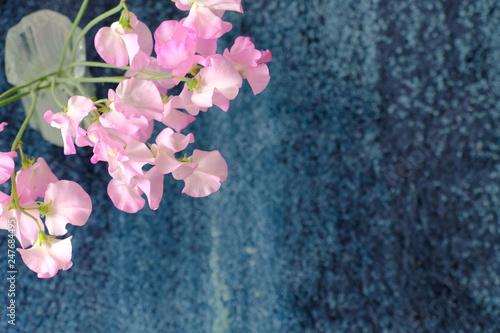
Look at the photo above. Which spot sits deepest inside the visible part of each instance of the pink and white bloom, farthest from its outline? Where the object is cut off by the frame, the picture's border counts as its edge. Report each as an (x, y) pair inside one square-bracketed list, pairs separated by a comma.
[(136, 98), (167, 144), (47, 257), (203, 174), (68, 203), (120, 47), (174, 43), (250, 63), (25, 228), (205, 15), (219, 83), (32, 182), (174, 118), (129, 198), (69, 122), (7, 165)]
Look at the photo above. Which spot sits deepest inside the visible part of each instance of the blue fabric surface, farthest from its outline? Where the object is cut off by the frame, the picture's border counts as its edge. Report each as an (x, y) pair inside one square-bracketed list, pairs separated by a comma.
[(362, 194)]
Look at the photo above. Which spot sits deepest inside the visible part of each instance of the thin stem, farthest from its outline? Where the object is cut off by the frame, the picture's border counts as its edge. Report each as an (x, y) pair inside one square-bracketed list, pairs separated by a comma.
[(13, 98), (96, 64), (111, 79), (70, 36), (54, 95), (17, 88), (30, 114), (92, 24)]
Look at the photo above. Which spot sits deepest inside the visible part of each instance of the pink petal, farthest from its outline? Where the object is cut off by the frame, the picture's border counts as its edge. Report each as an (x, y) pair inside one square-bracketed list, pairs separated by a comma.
[(258, 78), (7, 165), (47, 259), (125, 198), (111, 47), (33, 181), (69, 203)]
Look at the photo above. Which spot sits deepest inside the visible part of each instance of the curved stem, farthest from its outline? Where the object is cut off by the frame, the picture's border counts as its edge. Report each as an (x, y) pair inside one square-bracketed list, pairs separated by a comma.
[(91, 24), (71, 33), (30, 114)]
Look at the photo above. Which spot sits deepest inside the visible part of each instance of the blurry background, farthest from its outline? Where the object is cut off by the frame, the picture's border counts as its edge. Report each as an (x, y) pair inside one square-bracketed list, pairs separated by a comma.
[(363, 188)]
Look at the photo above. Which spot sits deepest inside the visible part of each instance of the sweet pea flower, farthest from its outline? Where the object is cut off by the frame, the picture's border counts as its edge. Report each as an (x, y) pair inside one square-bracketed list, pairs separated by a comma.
[(69, 122), (174, 43), (33, 181), (174, 118), (129, 198), (205, 15), (121, 46), (25, 228), (218, 83), (167, 144), (48, 255), (7, 165), (203, 173), (66, 202), (136, 98), (249, 62)]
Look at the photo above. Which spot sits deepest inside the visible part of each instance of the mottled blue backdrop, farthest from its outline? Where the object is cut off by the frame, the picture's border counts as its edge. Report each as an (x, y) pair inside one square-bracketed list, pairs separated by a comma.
[(363, 190)]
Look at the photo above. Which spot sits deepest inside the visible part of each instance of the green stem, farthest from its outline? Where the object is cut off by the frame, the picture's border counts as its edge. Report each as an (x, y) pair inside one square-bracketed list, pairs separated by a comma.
[(92, 24), (111, 79), (70, 36), (53, 91), (17, 88), (30, 114)]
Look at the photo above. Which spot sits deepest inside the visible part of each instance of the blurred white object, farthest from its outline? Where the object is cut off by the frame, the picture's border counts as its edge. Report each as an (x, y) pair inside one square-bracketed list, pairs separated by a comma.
[(32, 49)]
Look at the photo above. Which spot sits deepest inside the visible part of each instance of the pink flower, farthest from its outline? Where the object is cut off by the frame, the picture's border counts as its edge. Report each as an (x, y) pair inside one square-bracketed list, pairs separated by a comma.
[(136, 98), (68, 203), (7, 165), (205, 15), (174, 118), (219, 83), (203, 174), (25, 228), (167, 144), (32, 182), (47, 256), (119, 46), (2, 126), (129, 198), (174, 43), (69, 122), (249, 62)]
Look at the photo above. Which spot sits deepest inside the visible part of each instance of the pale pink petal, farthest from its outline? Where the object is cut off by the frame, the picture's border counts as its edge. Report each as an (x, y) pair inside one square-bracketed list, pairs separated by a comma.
[(7, 165), (69, 203), (33, 181), (47, 259), (204, 22), (258, 78), (111, 47), (2, 126), (152, 186), (136, 98), (125, 198)]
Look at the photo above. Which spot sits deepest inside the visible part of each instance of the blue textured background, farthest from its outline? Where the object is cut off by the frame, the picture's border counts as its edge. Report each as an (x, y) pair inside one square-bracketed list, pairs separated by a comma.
[(363, 192)]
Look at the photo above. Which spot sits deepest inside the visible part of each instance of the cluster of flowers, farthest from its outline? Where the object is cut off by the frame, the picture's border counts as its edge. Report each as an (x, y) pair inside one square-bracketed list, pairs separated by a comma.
[(119, 127)]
